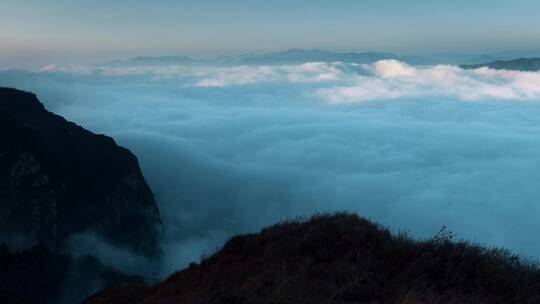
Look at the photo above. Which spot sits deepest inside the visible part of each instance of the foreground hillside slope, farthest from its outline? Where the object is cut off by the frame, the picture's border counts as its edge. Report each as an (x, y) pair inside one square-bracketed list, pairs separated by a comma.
[(342, 259), (58, 179)]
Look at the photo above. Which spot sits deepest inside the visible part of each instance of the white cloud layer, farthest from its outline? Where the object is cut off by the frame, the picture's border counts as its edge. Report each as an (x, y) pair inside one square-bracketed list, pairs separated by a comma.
[(340, 82), (392, 79), (231, 149)]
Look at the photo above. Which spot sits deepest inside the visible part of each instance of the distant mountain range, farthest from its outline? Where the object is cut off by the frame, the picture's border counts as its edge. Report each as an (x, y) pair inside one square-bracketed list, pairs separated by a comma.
[(299, 56), (292, 56), (521, 64), (161, 60)]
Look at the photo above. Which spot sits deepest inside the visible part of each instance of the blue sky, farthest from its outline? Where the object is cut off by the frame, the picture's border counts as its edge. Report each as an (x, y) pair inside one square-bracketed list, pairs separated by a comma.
[(78, 29)]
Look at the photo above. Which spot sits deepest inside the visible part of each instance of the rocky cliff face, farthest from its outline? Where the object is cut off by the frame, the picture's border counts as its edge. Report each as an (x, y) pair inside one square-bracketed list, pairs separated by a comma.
[(58, 179), (40, 275)]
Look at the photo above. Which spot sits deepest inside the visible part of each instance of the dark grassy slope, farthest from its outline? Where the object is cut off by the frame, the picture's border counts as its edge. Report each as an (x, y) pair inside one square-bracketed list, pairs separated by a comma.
[(342, 259), (521, 64)]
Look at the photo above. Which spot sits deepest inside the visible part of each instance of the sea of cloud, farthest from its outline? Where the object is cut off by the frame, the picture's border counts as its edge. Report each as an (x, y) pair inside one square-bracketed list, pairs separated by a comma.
[(230, 149)]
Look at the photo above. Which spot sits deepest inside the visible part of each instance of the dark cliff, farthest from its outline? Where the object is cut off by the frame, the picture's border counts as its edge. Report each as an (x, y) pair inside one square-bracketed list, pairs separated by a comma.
[(342, 259), (58, 179), (40, 275)]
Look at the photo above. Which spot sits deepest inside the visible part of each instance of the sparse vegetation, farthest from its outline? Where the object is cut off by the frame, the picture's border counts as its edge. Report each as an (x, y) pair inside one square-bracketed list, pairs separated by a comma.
[(342, 258)]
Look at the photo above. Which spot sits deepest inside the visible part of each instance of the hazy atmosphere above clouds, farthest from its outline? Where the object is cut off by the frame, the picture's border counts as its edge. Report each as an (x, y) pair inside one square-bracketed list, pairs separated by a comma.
[(40, 32), (230, 149)]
